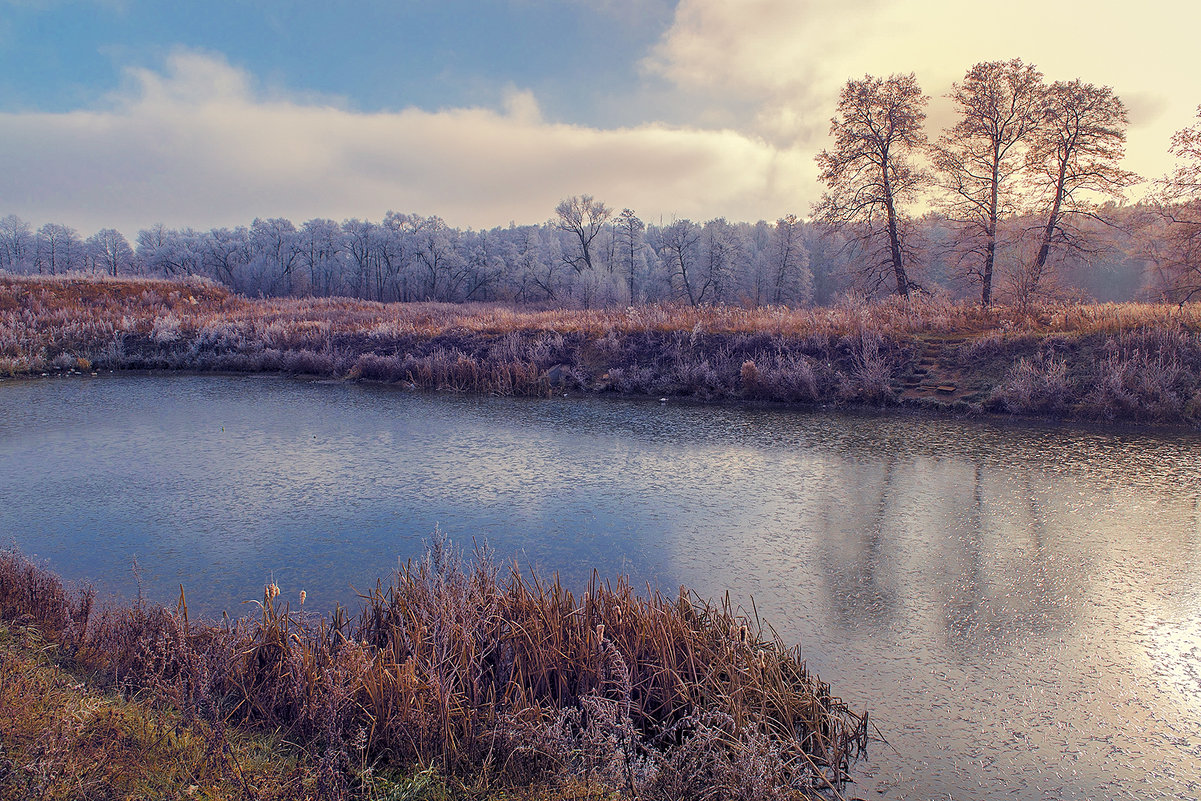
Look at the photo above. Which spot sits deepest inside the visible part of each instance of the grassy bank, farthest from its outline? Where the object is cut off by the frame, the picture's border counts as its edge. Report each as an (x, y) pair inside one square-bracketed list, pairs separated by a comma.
[(456, 680), (1128, 362)]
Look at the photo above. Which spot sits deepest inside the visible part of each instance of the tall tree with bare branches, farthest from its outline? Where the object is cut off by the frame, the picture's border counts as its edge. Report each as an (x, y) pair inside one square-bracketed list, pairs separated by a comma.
[(871, 174), (584, 218), (998, 104), (1177, 234), (1074, 159)]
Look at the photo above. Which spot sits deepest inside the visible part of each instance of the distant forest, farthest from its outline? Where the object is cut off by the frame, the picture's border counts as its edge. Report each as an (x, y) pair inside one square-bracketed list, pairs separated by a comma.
[(1022, 198)]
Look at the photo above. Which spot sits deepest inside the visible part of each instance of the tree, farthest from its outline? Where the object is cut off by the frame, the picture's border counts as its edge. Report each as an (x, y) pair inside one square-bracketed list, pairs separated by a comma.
[(870, 172), (679, 248), (789, 264), (584, 218), (109, 250), (999, 104), (437, 252), (320, 243), (629, 232), (1177, 245), (16, 244), (277, 250), (722, 249), (57, 249), (1073, 158)]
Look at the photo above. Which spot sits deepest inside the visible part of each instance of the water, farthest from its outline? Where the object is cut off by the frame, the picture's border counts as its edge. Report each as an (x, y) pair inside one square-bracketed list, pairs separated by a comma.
[(1018, 606)]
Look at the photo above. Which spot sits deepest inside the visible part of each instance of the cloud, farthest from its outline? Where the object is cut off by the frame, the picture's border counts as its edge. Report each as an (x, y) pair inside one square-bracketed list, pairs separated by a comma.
[(197, 145), (774, 67)]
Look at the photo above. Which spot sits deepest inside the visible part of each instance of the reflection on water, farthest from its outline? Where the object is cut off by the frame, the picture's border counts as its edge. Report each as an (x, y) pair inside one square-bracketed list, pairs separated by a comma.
[(1018, 606)]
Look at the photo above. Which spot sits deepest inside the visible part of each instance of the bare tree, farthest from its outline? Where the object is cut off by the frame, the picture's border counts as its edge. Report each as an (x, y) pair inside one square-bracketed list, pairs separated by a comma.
[(16, 244), (723, 248), (999, 104), (629, 232), (789, 263), (1176, 246), (57, 248), (679, 251), (1073, 159), (436, 250), (584, 218), (870, 172), (320, 243), (109, 250)]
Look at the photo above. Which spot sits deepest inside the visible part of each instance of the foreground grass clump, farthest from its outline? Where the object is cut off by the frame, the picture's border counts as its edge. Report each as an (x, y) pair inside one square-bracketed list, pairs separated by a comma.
[(65, 738), (459, 679), (1129, 361)]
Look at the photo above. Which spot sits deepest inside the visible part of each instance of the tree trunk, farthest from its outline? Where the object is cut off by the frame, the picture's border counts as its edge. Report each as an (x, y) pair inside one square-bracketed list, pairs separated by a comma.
[(1044, 250), (894, 241)]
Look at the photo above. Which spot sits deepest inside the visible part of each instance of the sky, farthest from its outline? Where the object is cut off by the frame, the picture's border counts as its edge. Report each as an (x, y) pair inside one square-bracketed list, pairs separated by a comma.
[(127, 113)]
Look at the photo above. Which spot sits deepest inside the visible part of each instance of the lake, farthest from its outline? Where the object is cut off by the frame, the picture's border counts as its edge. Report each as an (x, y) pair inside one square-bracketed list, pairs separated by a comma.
[(1017, 605)]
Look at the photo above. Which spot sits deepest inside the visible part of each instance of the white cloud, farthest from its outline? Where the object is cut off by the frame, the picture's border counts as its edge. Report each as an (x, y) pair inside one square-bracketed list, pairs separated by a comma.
[(775, 67), (195, 145)]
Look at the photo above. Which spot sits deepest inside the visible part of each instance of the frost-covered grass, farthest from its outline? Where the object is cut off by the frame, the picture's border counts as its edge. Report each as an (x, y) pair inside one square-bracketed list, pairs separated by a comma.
[(1126, 361), (469, 674)]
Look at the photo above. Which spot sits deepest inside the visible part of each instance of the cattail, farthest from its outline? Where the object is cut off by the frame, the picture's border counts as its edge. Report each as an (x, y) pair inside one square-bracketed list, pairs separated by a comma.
[(272, 590), (600, 631), (742, 635), (302, 597)]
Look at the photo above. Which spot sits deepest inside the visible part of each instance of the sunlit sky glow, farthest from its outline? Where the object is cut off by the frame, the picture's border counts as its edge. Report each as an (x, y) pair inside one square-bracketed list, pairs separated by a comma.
[(126, 113)]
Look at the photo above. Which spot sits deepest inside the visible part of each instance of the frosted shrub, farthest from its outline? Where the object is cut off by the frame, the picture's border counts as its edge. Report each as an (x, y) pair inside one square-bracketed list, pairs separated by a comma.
[(1136, 385), (870, 379), (165, 329), (1034, 386)]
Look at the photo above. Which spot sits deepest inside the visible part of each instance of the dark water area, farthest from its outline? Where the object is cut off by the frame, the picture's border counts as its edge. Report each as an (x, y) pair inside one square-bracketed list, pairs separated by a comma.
[(1018, 606)]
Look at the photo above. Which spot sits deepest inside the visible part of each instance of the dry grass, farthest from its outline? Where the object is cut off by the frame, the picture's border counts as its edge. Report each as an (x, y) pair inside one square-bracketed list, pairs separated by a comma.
[(63, 738), (854, 353), (481, 675)]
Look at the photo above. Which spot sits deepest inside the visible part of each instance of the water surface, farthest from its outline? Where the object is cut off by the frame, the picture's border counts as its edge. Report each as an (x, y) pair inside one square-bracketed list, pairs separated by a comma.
[(1018, 606)]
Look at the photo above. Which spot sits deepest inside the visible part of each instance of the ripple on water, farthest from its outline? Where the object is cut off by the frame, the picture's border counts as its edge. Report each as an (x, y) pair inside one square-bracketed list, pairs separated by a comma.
[(1019, 606)]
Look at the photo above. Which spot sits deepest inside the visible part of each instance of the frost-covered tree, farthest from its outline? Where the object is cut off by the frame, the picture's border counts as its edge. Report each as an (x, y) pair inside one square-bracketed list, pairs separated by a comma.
[(1175, 242), (57, 249), (872, 174), (978, 160), (1075, 158), (583, 217), (319, 243), (109, 252), (788, 260), (680, 252), (629, 237), (16, 244)]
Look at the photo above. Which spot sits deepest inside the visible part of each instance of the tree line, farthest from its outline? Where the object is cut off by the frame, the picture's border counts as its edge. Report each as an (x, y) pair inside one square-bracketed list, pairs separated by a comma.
[(1023, 193), (588, 255)]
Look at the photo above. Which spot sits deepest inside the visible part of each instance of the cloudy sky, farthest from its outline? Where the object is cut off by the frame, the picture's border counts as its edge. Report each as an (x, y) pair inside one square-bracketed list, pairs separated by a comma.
[(126, 113)]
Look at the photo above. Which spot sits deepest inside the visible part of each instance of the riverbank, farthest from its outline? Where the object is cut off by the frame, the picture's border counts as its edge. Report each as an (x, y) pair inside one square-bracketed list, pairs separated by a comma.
[(1128, 362), (457, 679)]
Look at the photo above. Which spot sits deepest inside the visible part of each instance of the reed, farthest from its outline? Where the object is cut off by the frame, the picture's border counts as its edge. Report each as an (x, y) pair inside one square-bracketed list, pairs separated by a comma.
[(1128, 361), (499, 678)]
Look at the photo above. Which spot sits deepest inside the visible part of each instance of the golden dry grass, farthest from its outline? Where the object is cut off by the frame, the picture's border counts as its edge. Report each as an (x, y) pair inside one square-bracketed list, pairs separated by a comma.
[(496, 680)]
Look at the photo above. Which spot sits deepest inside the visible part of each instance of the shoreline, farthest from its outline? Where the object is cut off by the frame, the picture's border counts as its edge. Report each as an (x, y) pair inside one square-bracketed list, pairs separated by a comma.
[(455, 668), (901, 410), (1105, 364)]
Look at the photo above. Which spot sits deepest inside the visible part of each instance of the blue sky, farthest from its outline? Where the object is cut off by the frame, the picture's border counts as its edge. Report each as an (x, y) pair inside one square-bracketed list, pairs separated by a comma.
[(126, 113), (373, 56)]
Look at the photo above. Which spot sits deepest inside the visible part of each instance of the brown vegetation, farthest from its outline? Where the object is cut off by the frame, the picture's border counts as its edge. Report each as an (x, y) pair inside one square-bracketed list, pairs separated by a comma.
[(1125, 361), (493, 679)]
